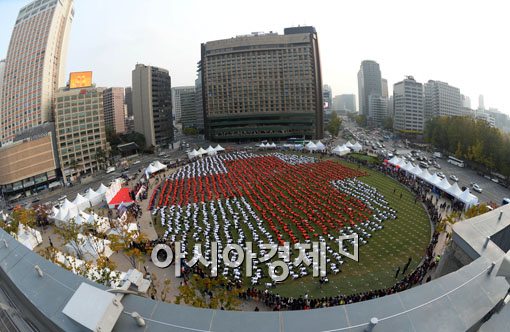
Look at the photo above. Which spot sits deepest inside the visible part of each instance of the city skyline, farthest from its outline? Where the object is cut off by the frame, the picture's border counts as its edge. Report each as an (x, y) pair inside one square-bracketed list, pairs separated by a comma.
[(170, 37)]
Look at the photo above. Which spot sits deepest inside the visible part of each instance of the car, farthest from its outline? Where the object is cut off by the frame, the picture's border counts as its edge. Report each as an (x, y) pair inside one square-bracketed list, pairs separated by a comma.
[(441, 175), (125, 169), (436, 165), (454, 178), (62, 198), (477, 188), (110, 169), (495, 180), (36, 200), (136, 162)]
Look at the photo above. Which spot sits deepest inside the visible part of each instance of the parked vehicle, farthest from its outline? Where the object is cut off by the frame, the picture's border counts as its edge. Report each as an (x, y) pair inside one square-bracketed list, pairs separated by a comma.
[(110, 169), (454, 178), (441, 175)]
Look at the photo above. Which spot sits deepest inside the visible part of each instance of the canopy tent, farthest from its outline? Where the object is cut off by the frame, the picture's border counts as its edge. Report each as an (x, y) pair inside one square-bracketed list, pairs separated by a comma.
[(102, 189), (273, 145), (341, 150), (311, 146), (425, 175), (210, 151), (201, 151), (81, 202), (444, 184), (406, 166), (320, 146), (113, 190), (29, 237), (219, 148), (84, 219), (154, 167), (434, 180), (122, 196), (394, 161), (356, 147), (95, 198), (454, 190), (89, 246), (193, 154), (416, 170), (349, 145), (159, 165), (467, 198)]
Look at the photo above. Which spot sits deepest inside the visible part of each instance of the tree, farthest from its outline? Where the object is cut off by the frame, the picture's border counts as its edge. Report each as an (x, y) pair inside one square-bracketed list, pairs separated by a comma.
[(361, 120), (190, 131), (334, 124), (101, 157), (20, 215), (388, 123), (214, 293), (129, 243)]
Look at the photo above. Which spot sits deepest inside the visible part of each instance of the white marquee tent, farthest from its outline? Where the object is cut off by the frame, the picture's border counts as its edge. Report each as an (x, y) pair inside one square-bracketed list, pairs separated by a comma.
[(219, 148), (211, 151), (29, 237), (356, 147), (320, 146), (311, 146)]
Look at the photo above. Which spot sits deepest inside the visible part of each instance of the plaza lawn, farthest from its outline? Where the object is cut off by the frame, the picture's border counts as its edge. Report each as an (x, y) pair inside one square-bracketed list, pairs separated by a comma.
[(387, 249), (407, 236)]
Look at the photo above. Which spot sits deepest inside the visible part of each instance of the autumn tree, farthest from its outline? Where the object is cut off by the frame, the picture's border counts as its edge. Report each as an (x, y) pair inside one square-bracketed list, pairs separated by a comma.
[(129, 243), (213, 293), (334, 124)]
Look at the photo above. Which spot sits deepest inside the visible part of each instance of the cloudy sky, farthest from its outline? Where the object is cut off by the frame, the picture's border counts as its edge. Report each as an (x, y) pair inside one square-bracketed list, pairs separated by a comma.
[(464, 43)]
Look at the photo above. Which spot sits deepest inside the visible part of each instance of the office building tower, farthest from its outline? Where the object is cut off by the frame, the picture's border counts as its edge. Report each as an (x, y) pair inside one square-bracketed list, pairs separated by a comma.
[(369, 83), (114, 118), (198, 121), (377, 110), (30, 162), (80, 130), (408, 106), (466, 101), (345, 102), (263, 86), (441, 99), (481, 104), (176, 100), (152, 105), (188, 107), (35, 65), (384, 87), (327, 98), (128, 100)]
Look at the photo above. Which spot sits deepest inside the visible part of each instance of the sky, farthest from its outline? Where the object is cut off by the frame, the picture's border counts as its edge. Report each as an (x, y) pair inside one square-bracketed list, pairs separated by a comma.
[(463, 43)]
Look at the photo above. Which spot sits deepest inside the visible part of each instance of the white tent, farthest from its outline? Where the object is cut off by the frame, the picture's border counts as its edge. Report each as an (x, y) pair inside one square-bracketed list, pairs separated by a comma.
[(425, 175), (357, 147), (193, 154), (81, 202), (444, 184), (468, 198), (273, 145), (434, 180), (159, 165), (336, 149), (349, 145), (94, 197), (29, 237), (416, 170), (320, 146), (90, 246), (394, 161), (150, 170), (102, 189), (210, 151), (454, 190), (219, 148), (311, 146), (341, 150), (201, 151), (407, 166)]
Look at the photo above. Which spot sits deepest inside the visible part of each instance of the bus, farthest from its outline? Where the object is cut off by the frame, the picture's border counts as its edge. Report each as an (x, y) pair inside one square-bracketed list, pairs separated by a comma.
[(454, 161)]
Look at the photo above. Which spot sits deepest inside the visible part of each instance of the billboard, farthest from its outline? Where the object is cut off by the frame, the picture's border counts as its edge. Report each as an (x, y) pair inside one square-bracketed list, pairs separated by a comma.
[(82, 79)]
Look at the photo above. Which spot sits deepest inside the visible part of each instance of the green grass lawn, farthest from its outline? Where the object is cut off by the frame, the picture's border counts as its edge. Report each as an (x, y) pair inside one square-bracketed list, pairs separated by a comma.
[(407, 236)]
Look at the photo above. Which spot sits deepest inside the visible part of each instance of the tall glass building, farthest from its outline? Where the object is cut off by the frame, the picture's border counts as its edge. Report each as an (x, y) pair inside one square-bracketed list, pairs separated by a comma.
[(263, 86), (35, 65)]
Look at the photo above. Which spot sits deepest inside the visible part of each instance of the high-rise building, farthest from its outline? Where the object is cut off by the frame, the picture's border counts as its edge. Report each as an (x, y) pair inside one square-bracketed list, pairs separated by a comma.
[(378, 110), (369, 83), (441, 99), (481, 104), (384, 87), (188, 108), (80, 130), (263, 86), (327, 98), (35, 64), (345, 102), (152, 105), (128, 95), (176, 100), (199, 102), (113, 101), (466, 101), (2, 69), (408, 106), (30, 162)]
